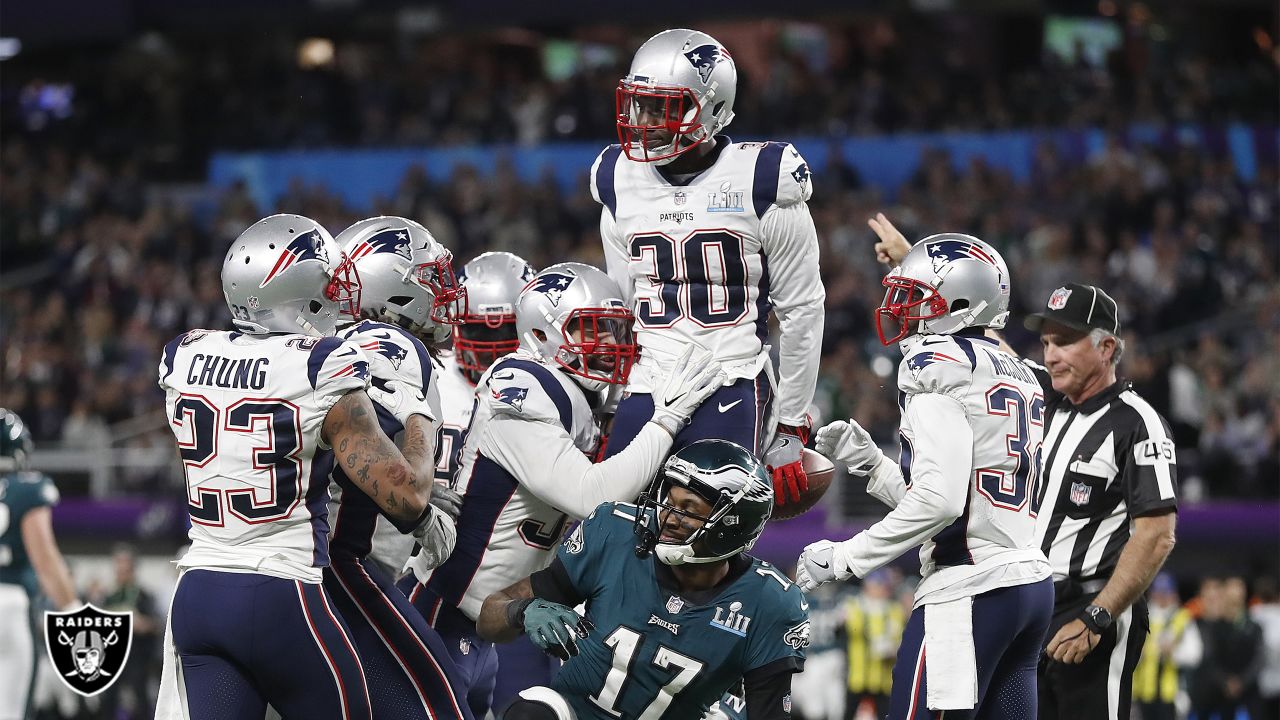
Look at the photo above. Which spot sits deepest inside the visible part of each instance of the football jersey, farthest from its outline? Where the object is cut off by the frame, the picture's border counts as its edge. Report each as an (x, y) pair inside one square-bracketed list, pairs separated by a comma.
[(947, 383), (20, 493), (657, 655), (359, 528), (706, 262), (507, 530), (247, 413)]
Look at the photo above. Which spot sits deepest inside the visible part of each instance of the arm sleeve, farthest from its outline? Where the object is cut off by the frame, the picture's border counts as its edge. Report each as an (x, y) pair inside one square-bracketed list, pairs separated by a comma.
[(616, 257), (791, 249), (580, 562), (768, 691), (1149, 470), (886, 483), (543, 458), (940, 468), (553, 583)]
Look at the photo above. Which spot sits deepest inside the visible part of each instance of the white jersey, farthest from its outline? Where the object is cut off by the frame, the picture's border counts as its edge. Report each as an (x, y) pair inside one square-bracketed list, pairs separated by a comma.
[(512, 517), (247, 413), (359, 527), (705, 262), (972, 425)]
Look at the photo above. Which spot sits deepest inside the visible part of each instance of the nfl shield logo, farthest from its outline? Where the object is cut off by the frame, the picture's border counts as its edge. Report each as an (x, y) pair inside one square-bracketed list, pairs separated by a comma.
[(88, 647), (1080, 493), (1058, 299), (674, 604), (681, 198)]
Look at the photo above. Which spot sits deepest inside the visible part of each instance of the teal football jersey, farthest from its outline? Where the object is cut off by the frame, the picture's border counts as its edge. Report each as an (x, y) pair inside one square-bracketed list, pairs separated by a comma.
[(20, 493), (654, 655)]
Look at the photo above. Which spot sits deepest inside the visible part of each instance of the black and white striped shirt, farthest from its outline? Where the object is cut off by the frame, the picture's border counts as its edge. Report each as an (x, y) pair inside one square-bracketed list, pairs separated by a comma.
[(1105, 462)]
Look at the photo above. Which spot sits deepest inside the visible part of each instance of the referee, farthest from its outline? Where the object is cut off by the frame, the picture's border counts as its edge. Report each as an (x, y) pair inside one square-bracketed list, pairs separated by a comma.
[(1105, 507)]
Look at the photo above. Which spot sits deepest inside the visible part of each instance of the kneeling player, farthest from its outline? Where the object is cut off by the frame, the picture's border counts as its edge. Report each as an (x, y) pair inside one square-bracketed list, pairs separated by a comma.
[(677, 612)]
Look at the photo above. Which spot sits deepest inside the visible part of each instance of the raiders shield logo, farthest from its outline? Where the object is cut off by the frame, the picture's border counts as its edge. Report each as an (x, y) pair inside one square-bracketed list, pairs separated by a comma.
[(88, 647)]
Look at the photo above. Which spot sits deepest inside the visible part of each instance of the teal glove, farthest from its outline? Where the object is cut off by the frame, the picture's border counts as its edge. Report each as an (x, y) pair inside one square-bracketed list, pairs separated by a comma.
[(554, 627)]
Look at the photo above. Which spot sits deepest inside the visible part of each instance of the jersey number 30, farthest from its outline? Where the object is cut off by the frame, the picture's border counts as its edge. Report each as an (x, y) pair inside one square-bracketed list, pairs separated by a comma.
[(702, 277), (274, 420)]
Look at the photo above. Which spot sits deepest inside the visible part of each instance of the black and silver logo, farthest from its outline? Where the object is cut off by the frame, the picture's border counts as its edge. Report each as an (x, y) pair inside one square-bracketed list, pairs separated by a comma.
[(88, 647)]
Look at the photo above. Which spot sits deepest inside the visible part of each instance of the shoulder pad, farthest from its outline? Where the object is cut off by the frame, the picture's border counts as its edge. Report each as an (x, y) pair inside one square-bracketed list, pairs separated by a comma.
[(781, 176), (937, 364), (393, 352), (171, 350), (36, 487), (337, 366), (525, 389), (602, 178)]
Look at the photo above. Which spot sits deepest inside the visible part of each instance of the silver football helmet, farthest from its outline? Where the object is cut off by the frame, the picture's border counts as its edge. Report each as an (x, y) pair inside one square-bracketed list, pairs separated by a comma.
[(406, 277), (678, 93), (488, 330), (945, 284), (287, 274), (573, 314)]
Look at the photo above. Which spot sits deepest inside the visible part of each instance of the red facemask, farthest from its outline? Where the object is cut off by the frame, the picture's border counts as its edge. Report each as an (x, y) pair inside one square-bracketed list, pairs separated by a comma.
[(344, 288), (907, 302), (606, 350), (450, 305), (647, 111)]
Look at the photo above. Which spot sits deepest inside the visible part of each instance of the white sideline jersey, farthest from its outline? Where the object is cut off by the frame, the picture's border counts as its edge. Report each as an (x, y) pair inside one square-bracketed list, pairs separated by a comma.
[(706, 262), (972, 426), (246, 412), (359, 527), (509, 528)]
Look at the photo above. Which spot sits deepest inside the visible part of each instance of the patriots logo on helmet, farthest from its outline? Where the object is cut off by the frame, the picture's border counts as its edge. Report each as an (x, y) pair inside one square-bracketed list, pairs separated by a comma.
[(704, 58), (513, 396), (387, 240), (302, 248), (389, 350), (552, 285), (959, 250)]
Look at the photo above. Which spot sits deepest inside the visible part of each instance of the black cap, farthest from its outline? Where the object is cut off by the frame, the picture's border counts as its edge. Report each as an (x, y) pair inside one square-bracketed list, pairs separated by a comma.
[(1081, 307)]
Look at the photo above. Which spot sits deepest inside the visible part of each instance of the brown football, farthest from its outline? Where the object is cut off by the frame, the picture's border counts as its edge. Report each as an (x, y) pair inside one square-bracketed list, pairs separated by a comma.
[(820, 471)]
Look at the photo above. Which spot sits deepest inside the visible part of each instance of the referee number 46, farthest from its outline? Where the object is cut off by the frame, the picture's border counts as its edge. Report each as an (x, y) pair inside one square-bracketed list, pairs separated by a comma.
[(1154, 451)]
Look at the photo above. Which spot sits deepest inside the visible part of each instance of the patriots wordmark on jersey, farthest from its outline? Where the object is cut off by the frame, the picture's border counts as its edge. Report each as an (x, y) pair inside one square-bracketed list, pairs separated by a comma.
[(705, 262), (247, 413)]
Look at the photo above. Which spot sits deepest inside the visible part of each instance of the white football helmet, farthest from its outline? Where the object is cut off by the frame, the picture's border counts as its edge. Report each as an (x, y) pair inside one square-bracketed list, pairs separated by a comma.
[(678, 93), (493, 281), (573, 314), (286, 274), (945, 284), (406, 276)]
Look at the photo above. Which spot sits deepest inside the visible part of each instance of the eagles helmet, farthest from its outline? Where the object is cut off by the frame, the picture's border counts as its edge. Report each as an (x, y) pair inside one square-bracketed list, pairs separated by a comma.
[(15, 442), (946, 283), (488, 329), (678, 93), (731, 480), (406, 277), (573, 314), (286, 274)]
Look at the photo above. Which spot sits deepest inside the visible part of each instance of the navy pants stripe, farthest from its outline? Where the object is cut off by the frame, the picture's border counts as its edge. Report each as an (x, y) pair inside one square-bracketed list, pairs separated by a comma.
[(735, 412), (1008, 631), (414, 675), (521, 665), (475, 658), (246, 640)]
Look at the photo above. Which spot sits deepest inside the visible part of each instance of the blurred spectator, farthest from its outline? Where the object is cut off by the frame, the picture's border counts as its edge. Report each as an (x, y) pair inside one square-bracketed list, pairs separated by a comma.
[(1227, 678), (1173, 647), (873, 626), (132, 694), (1266, 613)]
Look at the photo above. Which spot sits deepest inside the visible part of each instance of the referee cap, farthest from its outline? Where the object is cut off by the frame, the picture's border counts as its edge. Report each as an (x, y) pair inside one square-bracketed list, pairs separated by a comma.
[(1081, 307)]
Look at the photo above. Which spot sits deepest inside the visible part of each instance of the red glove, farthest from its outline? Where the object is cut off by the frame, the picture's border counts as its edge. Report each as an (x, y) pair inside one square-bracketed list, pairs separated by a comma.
[(784, 462)]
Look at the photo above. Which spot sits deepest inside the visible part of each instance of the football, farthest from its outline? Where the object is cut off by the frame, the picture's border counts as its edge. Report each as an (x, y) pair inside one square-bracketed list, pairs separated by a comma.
[(820, 471)]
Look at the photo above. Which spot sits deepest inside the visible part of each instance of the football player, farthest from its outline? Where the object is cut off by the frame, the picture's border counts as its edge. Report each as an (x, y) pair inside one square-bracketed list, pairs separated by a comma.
[(526, 469), (972, 419), (676, 611), (488, 331), (707, 236), (261, 415), (408, 296), (30, 564)]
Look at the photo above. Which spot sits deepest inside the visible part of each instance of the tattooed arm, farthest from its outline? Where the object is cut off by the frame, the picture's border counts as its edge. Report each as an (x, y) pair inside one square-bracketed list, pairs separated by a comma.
[(399, 482)]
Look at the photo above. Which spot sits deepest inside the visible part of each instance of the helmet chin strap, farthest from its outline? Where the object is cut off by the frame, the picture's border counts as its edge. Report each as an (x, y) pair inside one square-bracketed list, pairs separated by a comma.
[(685, 555)]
